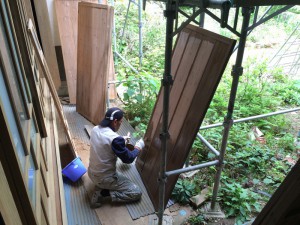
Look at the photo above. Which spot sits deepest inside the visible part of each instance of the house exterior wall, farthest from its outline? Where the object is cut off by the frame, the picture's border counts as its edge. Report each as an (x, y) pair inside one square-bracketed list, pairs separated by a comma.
[(30, 172)]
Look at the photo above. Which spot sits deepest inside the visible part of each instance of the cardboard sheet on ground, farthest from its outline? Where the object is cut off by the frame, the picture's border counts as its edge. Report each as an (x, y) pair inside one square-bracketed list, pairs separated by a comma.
[(198, 62)]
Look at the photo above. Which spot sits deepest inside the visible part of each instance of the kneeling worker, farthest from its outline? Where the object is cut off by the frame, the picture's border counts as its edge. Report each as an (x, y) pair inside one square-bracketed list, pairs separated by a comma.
[(106, 146)]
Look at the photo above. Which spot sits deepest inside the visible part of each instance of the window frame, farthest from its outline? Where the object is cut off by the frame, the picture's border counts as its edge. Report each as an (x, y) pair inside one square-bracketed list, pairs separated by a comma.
[(19, 69), (17, 12), (23, 140)]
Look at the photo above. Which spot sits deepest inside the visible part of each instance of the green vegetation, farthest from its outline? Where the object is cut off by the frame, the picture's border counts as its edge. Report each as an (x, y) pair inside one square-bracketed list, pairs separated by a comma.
[(184, 189), (239, 201), (199, 220), (252, 166), (139, 98), (249, 164)]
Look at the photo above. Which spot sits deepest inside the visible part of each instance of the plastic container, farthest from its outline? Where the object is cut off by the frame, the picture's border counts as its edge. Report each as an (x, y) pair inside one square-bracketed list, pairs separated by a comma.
[(130, 147), (74, 170)]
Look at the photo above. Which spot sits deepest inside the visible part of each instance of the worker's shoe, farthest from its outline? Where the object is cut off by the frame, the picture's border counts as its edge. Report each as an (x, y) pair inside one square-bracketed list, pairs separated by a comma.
[(96, 199)]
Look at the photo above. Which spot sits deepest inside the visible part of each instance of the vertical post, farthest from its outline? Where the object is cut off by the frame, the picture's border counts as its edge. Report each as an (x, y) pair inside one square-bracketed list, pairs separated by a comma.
[(114, 40), (167, 81), (140, 6), (125, 23), (201, 21), (236, 72), (114, 33)]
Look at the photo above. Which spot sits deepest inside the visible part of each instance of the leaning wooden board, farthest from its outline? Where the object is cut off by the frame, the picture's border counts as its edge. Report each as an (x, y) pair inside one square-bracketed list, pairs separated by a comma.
[(42, 15), (94, 48), (198, 62), (283, 207), (67, 19)]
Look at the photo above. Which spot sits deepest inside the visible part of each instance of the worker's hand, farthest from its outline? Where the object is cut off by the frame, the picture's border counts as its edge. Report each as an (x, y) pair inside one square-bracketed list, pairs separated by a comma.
[(127, 138), (140, 144)]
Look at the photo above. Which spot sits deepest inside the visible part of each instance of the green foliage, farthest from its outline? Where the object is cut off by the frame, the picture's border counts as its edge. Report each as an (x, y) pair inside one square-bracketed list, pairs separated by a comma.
[(285, 21), (288, 90), (295, 9), (286, 142), (153, 32), (261, 90), (238, 201), (140, 91), (184, 189), (251, 158), (249, 164), (197, 220)]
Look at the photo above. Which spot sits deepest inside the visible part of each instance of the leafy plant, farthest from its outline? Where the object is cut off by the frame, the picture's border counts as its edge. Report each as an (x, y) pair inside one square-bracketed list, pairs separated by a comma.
[(139, 95), (248, 163), (238, 201), (184, 189), (197, 220)]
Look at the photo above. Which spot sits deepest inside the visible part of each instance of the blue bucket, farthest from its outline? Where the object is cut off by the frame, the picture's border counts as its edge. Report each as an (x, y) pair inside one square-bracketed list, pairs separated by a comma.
[(74, 170)]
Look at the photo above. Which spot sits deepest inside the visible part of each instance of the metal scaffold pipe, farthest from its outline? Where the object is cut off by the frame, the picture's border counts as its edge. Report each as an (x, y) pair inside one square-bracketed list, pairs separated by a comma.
[(192, 168), (166, 82), (253, 118), (237, 71), (140, 25), (140, 6), (210, 147)]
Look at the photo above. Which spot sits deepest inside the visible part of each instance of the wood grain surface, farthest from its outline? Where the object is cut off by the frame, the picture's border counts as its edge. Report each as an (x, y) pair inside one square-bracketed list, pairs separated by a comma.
[(94, 51), (198, 62)]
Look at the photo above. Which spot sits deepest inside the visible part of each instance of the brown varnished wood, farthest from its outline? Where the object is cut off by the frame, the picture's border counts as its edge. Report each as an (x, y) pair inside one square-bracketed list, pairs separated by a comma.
[(175, 95), (199, 59), (156, 115), (198, 108), (283, 207)]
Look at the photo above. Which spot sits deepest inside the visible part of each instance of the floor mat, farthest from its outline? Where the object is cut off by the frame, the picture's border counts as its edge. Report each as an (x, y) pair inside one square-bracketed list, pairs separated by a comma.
[(79, 128), (143, 207), (77, 204)]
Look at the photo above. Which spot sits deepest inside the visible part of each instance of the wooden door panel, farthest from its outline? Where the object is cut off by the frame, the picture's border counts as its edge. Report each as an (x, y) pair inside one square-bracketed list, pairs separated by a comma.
[(156, 117), (198, 61), (94, 50), (176, 93), (67, 18)]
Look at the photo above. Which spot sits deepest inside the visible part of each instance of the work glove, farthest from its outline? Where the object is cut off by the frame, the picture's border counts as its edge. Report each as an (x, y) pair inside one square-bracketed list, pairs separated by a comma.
[(127, 138), (140, 144)]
